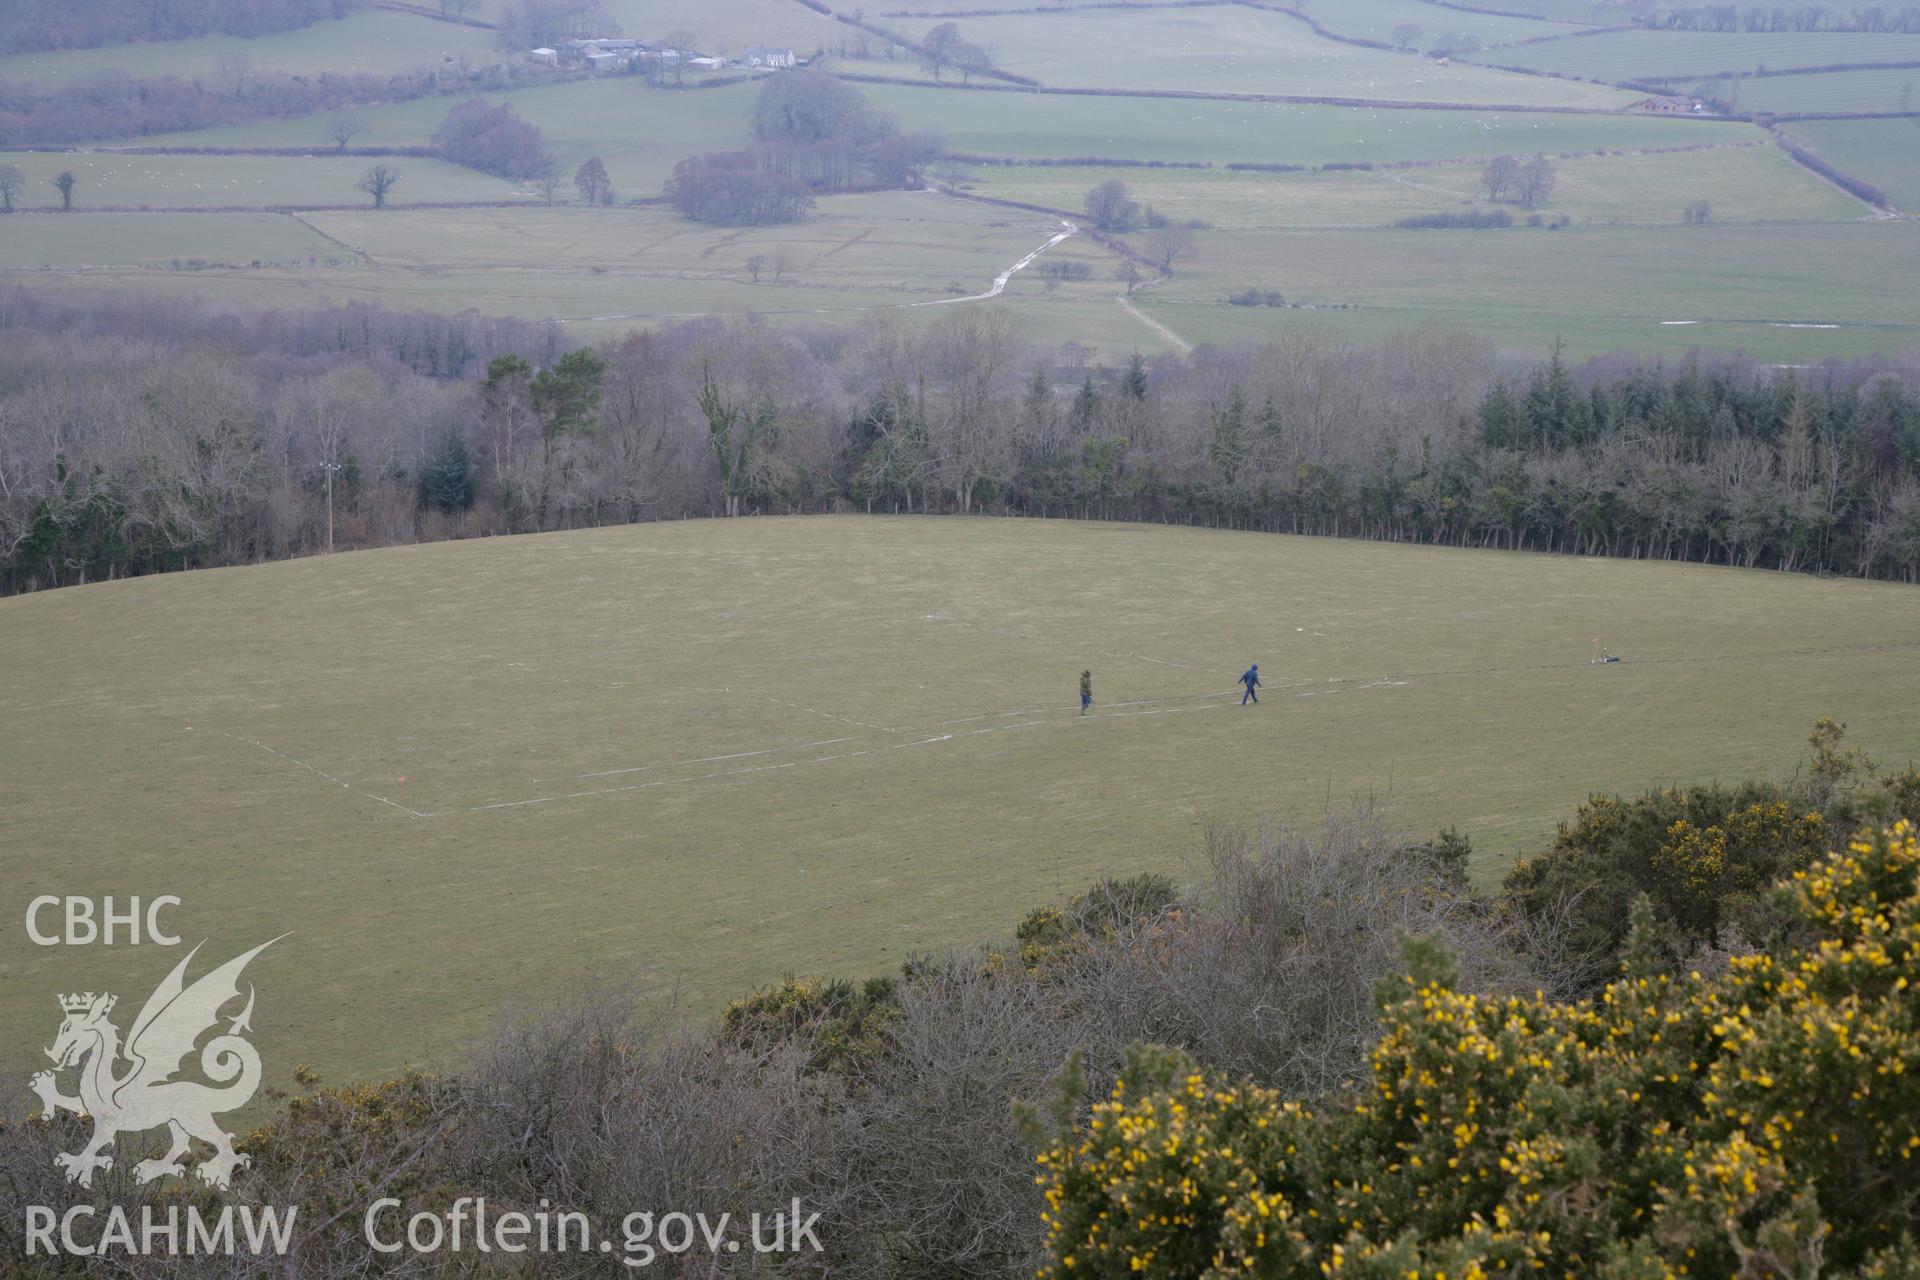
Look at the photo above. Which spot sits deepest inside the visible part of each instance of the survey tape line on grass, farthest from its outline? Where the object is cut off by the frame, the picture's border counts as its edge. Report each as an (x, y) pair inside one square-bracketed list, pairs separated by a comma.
[(677, 764), (813, 711), (1299, 689), (311, 768), (1064, 716), (847, 755)]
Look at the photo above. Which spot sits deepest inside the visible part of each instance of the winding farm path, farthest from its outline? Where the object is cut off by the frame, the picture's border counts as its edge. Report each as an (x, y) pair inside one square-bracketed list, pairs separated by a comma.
[(1000, 281)]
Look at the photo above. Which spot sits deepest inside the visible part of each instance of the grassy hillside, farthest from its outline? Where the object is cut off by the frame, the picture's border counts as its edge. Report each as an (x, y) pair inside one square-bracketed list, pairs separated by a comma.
[(374, 40), (639, 133), (705, 754), (1238, 50), (104, 178), (1017, 124), (1624, 55), (1883, 152), (1893, 90)]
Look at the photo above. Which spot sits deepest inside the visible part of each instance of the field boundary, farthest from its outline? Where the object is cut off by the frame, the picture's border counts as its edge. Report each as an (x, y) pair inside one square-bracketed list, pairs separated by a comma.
[(1865, 192), (1328, 166), (421, 11), (1502, 13), (1206, 95), (531, 202)]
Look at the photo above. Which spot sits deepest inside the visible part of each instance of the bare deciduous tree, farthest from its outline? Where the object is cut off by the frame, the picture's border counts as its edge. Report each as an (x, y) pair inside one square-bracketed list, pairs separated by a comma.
[(1110, 207), (1497, 176), (379, 183), (1534, 181), (591, 181), (1168, 244), (546, 179), (344, 127)]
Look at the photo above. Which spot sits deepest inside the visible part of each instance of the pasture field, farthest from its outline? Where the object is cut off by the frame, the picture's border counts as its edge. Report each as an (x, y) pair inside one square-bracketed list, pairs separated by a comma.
[(1378, 19), (718, 26), (373, 40), (1646, 54), (639, 133), (1237, 50), (701, 755), (1648, 289), (604, 271), (1360, 19), (1750, 183), (1897, 90), (1600, 13), (105, 178), (36, 242), (1368, 20), (1883, 152), (1528, 335), (1054, 125)]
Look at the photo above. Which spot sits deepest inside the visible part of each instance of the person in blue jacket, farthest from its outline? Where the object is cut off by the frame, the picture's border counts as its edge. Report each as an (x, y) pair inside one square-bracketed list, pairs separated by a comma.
[(1086, 691), (1252, 680)]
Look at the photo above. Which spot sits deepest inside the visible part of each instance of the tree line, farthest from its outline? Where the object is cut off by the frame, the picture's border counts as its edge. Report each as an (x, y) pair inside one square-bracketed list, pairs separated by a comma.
[(114, 104), (139, 437), (1879, 18), (815, 135), (29, 26)]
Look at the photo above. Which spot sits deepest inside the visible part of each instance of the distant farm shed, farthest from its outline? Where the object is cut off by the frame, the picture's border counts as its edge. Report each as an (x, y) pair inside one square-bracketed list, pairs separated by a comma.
[(759, 57), (1667, 105), (545, 56)]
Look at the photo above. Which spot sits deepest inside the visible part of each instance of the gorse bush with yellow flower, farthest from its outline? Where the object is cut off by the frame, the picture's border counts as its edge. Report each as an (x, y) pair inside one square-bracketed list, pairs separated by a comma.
[(1704, 855), (1761, 1122)]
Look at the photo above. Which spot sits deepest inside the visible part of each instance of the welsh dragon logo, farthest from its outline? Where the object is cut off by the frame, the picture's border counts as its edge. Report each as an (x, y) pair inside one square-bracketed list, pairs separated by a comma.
[(146, 1094)]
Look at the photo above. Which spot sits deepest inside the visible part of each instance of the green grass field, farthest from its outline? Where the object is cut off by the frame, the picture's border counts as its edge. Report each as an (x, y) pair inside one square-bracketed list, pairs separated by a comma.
[(1237, 50), (1883, 152), (1360, 19), (1654, 289), (606, 271), (372, 40), (1832, 91), (1626, 55), (1378, 19), (105, 178), (1745, 184), (639, 133), (1027, 125), (1603, 13), (705, 754), (37, 242)]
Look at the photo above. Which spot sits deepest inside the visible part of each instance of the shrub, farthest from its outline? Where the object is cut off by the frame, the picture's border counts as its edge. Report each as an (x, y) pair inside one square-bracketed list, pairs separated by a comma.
[(1701, 855), (730, 189), (1457, 220), (493, 139), (1757, 1123)]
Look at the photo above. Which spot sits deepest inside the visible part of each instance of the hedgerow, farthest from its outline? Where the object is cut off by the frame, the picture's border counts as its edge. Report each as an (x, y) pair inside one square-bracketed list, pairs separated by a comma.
[(1761, 1122)]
